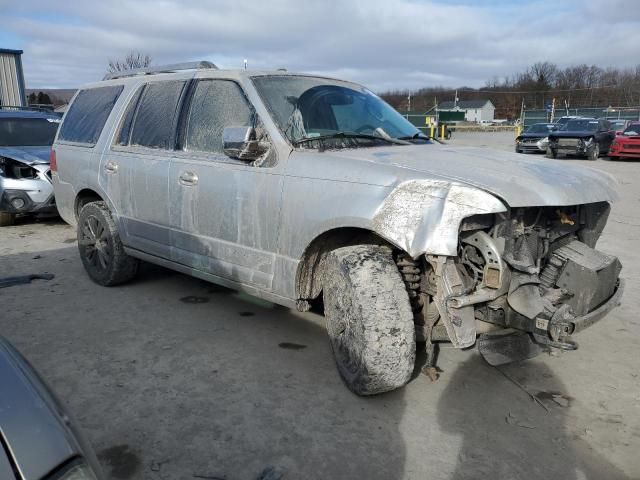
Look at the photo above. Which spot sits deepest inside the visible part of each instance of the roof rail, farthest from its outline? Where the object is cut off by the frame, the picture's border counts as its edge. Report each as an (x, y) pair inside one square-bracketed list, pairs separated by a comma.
[(175, 67)]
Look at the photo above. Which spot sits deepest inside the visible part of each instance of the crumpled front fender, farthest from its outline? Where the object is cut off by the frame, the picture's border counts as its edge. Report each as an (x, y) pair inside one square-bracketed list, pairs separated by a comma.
[(423, 216)]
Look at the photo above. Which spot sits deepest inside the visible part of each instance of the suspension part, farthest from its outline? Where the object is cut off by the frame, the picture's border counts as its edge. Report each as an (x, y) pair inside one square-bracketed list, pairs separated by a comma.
[(411, 274)]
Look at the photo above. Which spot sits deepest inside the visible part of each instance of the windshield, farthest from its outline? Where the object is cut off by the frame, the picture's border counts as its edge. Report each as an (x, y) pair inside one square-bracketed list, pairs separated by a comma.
[(581, 126), (308, 107), (539, 128), (632, 130), (32, 132), (618, 125)]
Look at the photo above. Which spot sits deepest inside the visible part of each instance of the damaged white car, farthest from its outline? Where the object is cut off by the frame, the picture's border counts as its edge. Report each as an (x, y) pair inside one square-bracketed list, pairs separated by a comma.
[(313, 192), (25, 178)]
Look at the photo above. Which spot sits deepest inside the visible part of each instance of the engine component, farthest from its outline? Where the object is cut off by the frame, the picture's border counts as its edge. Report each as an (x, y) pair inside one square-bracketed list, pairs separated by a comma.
[(587, 274)]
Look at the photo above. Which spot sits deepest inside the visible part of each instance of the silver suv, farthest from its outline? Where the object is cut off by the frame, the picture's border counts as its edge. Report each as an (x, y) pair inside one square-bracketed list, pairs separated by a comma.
[(313, 192)]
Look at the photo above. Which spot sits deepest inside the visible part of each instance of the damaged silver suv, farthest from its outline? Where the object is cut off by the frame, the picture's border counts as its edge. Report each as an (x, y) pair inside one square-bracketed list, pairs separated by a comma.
[(313, 192)]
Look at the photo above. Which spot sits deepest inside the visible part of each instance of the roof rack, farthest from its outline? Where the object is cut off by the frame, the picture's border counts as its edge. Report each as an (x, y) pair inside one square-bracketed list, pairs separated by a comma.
[(175, 67)]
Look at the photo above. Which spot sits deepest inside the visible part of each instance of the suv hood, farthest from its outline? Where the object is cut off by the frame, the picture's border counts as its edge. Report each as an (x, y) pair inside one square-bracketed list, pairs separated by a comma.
[(27, 155), (518, 180)]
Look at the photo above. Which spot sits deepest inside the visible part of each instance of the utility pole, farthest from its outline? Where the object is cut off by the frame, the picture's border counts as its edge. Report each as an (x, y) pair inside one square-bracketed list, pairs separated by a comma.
[(409, 103)]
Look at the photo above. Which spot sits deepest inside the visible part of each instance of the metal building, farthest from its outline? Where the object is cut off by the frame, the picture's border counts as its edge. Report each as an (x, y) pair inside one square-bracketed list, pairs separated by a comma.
[(11, 78)]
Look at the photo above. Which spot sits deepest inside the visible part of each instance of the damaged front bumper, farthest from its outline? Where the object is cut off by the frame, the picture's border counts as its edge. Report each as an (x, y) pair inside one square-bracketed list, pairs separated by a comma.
[(28, 195), (542, 278)]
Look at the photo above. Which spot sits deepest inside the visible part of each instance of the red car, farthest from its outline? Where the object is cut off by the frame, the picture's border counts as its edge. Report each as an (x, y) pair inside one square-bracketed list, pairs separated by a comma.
[(627, 144)]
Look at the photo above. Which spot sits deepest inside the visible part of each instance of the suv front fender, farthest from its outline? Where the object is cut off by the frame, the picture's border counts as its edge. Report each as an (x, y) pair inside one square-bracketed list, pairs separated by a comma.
[(423, 216)]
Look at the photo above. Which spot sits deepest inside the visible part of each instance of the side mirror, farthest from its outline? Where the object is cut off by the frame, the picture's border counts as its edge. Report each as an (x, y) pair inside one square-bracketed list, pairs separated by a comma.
[(241, 143)]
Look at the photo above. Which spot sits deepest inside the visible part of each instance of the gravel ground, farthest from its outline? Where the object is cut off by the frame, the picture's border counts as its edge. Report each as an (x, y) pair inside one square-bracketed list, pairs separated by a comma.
[(174, 378)]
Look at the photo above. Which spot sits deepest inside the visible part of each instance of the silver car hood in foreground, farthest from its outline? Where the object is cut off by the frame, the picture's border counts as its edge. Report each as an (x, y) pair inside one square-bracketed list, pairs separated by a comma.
[(518, 180)]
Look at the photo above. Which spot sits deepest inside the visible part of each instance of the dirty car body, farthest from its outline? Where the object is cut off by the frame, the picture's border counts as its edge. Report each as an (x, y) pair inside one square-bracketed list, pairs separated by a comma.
[(485, 241), (25, 179), (38, 438)]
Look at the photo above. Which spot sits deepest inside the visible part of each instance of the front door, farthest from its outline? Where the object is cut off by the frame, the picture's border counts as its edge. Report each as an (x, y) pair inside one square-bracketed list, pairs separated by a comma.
[(224, 212)]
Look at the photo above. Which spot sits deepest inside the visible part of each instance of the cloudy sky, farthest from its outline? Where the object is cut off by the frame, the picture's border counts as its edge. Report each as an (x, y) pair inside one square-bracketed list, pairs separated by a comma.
[(385, 44)]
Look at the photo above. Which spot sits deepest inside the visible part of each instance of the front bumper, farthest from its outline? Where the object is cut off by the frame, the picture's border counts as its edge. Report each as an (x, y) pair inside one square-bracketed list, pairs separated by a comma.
[(632, 150), (531, 146), (27, 195), (585, 321)]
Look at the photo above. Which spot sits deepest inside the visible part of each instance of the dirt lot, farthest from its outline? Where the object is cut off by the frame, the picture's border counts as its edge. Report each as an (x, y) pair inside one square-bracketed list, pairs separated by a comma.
[(174, 378)]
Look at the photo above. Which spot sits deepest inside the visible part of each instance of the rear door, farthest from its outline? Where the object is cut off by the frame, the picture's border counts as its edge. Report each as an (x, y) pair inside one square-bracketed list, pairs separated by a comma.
[(224, 212), (134, 172)]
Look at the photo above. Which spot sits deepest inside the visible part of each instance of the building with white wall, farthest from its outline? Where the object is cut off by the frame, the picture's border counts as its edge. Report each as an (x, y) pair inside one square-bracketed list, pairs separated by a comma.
[(479, 111)]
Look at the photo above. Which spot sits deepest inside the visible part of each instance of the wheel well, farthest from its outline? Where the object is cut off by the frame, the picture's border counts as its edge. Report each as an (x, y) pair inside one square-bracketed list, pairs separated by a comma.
[(309, 274), (85, 196)]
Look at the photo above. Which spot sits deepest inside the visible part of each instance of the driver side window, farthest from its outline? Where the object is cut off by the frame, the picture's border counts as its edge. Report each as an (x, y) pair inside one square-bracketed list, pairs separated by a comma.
[(215, 104)]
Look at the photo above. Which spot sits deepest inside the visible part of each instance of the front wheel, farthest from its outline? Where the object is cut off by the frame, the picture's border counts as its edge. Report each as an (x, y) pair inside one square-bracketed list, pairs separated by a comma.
[(552, 152), (7, 219), (101, 250), (369, 319), (594, 152)]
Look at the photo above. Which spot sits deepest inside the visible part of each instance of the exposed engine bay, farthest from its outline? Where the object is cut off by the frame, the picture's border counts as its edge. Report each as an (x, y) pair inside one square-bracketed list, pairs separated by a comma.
[(532, 270)]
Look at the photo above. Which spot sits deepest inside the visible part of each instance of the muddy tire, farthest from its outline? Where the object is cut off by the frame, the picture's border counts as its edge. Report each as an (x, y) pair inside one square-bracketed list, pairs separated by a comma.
[(7, 219), (369, 319), (594, 152), (100, 247)]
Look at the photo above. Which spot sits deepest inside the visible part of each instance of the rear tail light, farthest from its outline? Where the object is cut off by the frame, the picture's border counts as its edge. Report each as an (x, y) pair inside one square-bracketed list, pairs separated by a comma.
[(53, 164)]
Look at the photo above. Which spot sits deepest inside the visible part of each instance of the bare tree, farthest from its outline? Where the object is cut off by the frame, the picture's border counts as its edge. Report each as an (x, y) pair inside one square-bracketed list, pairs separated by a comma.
[(131, 61)]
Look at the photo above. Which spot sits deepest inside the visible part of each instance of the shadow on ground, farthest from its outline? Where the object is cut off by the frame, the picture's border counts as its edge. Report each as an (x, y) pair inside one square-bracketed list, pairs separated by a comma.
[(506, 435), (172, 377)]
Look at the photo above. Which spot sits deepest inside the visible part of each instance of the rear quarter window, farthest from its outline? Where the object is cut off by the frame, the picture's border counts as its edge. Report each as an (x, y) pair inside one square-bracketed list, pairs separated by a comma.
[(88, 113)]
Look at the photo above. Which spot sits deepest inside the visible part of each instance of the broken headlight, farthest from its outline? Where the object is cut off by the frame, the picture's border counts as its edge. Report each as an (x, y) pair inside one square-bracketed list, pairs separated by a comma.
[(542, 144), (17, 170)]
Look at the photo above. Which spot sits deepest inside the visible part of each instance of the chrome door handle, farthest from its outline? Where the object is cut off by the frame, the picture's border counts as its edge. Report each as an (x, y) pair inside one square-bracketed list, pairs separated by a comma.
[(188, 179), (111, 167)]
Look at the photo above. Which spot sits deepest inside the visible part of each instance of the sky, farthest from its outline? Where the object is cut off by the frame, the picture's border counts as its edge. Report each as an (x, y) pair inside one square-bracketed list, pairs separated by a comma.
[(384, 44)]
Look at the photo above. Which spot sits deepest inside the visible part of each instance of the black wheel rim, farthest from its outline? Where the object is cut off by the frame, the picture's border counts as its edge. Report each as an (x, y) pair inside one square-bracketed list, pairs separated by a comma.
[(96, 243)]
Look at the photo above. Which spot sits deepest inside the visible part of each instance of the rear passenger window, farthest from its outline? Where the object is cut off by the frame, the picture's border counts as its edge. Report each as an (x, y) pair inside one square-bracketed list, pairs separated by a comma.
[(215, 104), (154, 122), (88, 114)]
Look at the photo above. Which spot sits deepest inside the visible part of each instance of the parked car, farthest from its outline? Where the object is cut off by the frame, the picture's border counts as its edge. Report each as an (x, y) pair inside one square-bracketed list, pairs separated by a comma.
[(309, 191), (627, 144), (585, 137), (563, 120), (40, 439), (25, 178), (534, 139), (619, 126)]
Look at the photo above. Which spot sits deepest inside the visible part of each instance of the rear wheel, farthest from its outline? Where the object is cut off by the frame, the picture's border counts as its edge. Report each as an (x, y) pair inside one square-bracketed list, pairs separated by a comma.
[(369, 319), (100, 248), (7, 219)]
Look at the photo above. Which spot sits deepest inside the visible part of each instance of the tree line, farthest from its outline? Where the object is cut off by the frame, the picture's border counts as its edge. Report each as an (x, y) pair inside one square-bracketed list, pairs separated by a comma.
[(574, 87)]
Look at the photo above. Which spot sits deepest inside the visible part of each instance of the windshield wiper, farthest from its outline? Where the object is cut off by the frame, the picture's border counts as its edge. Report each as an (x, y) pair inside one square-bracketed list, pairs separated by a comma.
[(330, 136)]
